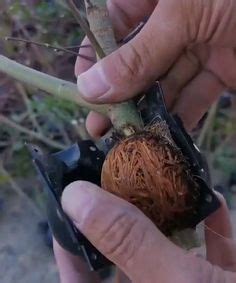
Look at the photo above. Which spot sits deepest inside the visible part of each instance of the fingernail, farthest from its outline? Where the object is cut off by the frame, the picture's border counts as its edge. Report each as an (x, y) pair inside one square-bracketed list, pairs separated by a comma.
[(76, 201), (93, 83)]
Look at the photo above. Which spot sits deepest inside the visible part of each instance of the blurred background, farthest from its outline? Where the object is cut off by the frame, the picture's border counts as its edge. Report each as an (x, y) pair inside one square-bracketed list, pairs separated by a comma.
[(27, 114)]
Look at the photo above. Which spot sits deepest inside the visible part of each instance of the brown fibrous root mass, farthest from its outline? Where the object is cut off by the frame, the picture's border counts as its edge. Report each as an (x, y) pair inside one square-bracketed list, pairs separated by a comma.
[(149, 171)]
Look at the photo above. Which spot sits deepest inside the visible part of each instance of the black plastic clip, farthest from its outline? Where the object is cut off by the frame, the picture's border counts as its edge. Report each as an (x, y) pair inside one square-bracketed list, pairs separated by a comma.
[(81, 161)]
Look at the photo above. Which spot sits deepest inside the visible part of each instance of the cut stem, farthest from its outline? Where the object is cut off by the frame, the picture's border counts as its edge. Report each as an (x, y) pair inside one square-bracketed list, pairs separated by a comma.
[(55, 48)]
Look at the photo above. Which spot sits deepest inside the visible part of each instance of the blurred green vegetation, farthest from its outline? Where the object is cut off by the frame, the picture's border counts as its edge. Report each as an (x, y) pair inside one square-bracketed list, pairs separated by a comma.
[(45, 22)]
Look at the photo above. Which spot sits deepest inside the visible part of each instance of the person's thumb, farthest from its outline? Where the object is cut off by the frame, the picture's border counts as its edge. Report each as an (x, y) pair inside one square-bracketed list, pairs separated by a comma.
[(133, 67), (119, 230)]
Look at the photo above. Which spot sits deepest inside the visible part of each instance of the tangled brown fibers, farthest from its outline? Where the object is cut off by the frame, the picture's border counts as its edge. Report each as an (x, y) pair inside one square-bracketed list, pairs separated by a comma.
[(149, 171)]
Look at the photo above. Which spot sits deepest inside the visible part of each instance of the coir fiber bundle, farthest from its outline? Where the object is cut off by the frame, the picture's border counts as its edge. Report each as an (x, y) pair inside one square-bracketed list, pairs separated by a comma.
[(149, 171)]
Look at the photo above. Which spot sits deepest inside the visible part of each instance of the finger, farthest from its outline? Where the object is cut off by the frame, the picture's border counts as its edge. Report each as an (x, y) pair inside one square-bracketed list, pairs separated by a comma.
[(183, 70), (97, 124), (125, 15), (83, 64), (72, 269), (137, 64), (220, 247), (197, 97), (222, 62), (123, 234)]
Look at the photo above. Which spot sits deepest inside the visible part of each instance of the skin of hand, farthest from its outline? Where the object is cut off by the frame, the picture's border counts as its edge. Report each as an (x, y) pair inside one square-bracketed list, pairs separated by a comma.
[(188, 44), (137, 247)]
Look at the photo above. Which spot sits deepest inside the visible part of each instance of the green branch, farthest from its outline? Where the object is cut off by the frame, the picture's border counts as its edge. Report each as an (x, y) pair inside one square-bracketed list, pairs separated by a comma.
[(68, 91), (57, 87)]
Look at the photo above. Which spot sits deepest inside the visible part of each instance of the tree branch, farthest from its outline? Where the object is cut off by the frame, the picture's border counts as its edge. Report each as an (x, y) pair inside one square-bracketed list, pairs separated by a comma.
[(60, 88)]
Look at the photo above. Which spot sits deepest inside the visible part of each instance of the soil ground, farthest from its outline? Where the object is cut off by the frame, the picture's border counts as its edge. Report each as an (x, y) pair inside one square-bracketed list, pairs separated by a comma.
[(24, 257)]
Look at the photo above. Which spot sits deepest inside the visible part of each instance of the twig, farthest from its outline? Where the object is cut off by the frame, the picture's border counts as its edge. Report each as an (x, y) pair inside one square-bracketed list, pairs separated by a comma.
[(20, 192), (31, 114), (133, 33), (77, 46), (80, 129), (4, 120), (55, 48), (64, 134), (61, 128), (37, 52), (60, 88), (83, 24), (207, 125)]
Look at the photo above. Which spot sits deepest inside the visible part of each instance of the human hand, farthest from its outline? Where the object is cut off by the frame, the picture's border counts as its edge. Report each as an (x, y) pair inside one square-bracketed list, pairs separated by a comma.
[(189, 45), (137, 247)]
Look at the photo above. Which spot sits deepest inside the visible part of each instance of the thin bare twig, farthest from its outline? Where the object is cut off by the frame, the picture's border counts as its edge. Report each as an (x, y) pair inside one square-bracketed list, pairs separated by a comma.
[(80, 129), (4, 120), (85, 27), (78, 46), (37, 52), (31, 113), (62, 130), (55, 48)]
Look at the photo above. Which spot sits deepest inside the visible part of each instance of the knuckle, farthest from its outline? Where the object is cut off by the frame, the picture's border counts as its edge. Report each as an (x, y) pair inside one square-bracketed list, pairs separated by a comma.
[(130, 61), (192, 12), (193, 59)]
